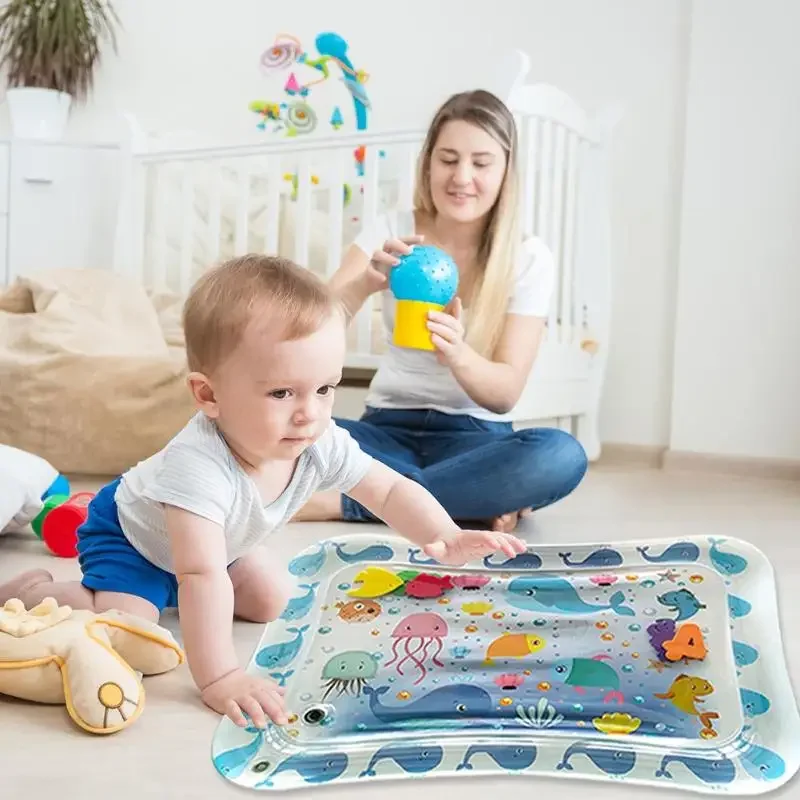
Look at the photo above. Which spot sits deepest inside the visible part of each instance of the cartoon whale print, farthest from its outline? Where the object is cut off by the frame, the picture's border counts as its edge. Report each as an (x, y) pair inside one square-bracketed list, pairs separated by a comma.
[(413, 759), (611, 761), (282, 653), (605, 557), (744, 654), (738, 607), (506, 756), (458, 701), (311, 768), (680, 551), (232, 763), (413, 557), (521, 561), (307, 564), (549, 593), (281, 677), (298, 607), (717, 771), (761, 763), (754, 704), (726, 563), (375, 552)]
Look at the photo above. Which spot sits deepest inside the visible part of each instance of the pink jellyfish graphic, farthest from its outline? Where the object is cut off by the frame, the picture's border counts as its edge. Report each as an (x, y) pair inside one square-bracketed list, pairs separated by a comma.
[(414, 634)]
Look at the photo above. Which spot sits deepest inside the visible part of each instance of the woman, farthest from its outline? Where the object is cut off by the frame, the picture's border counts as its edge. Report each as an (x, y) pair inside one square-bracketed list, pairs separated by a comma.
[(442, 418)]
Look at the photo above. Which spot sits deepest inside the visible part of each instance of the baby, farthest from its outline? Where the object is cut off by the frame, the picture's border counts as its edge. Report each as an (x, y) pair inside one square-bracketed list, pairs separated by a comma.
[(190, 526)]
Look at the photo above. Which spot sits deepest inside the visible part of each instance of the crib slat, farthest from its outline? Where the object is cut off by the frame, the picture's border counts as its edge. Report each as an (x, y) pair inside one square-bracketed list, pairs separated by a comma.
[(159, 241), (363, 321), (371, 180), (274, 180), (544, 209), (243, 208), (556, 219), (335, 212), (187, 213), (407, 180), (529, 136), (214, 211), (302, 232), (568, 315)]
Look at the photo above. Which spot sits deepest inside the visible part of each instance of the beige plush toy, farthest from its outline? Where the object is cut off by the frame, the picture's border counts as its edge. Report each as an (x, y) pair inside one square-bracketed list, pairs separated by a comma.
[(88, 661)]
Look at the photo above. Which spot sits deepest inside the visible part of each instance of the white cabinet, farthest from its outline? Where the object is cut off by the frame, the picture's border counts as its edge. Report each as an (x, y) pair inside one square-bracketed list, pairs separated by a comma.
[(59, 203)]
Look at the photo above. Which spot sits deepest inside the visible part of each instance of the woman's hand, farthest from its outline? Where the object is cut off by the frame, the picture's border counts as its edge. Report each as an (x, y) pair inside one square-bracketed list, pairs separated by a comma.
[(447, 334), (376, 276)]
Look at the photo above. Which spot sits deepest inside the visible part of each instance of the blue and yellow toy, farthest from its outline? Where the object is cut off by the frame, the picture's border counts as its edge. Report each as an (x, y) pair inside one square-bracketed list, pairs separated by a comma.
[(425, 280)]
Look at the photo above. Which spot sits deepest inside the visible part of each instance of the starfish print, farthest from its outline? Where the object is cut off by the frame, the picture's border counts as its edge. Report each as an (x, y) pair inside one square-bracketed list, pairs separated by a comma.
[(670, 575), (658, 666)]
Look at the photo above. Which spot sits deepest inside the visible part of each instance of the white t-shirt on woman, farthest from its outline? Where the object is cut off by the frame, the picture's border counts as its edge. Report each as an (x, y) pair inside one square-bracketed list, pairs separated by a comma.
[(409, 379)]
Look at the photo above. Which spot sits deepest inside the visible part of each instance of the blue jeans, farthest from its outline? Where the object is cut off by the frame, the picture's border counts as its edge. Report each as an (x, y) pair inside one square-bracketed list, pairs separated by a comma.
[(476, 469)]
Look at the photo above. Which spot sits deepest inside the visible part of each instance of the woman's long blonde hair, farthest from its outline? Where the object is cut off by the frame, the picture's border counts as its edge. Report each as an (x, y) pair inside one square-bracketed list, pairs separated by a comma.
[(497, 253)]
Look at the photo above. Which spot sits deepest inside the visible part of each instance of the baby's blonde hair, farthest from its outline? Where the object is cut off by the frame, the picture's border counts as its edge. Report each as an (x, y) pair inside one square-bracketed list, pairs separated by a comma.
[(224, 300)]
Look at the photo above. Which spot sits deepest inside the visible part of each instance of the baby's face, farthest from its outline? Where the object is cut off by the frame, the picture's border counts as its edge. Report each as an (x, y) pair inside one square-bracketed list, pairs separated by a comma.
[(275, 398)]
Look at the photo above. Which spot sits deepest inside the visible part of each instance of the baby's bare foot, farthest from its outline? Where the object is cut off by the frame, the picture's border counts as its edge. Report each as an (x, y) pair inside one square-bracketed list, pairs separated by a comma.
[(19, 586)]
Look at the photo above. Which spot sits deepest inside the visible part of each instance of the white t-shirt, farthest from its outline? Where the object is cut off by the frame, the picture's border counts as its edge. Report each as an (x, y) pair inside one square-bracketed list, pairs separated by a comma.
[(196, 471), (407, 379)]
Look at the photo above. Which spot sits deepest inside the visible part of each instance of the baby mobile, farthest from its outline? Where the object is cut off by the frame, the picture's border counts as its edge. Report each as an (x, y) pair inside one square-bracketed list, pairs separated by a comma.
[(295, 116)]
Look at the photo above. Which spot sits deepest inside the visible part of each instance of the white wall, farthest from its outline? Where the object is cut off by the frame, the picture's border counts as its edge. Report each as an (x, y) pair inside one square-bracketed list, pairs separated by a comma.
[(737, 350), (722, 380), (189, 64)]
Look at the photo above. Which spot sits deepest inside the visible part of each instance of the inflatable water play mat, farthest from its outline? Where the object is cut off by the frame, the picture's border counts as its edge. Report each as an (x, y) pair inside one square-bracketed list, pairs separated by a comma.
[(647, 662)]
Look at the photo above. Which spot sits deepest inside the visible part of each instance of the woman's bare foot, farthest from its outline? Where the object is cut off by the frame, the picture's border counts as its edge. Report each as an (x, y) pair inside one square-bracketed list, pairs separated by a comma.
[(507, 523), (321, 507)]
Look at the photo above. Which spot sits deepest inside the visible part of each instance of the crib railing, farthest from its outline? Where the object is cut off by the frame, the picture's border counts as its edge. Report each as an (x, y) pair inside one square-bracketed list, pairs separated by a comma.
[(184, 208)]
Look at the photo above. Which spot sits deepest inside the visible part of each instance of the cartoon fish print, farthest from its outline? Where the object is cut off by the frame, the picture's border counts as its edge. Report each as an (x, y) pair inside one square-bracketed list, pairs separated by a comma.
[(685, 693), (374, 582), (425, 587), (583, 673), (683, 601), (359, 610), (513, 645)]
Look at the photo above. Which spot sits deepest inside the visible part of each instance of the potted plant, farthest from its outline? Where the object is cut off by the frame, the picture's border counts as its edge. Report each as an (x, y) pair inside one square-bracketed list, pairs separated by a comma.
[(49, 50)]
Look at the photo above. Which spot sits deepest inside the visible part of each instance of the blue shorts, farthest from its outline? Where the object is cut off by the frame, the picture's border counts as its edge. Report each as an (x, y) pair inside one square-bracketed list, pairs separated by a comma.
[(110, 563)]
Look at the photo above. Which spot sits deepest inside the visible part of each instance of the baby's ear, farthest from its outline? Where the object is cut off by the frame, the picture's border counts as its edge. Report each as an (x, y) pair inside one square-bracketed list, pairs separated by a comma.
[(203, 393)]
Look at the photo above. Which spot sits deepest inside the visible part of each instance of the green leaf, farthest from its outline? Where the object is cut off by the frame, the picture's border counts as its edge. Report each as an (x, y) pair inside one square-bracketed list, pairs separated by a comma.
[(56, 44)]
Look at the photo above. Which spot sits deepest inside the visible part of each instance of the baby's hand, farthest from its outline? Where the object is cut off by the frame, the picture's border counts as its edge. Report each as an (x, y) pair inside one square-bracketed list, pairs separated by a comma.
[(238, 693), (458, 548)]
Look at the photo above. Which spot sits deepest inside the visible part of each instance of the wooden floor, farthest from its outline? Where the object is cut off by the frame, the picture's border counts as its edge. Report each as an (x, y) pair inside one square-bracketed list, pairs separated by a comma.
[(168, 749)]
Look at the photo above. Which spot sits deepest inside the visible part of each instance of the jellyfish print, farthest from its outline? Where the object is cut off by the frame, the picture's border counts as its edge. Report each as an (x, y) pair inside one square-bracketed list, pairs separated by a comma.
[(348, 673), (412, 637)]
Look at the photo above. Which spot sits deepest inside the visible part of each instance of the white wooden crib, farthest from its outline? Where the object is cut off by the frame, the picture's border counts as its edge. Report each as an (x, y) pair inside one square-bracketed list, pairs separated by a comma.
[(186, 204)]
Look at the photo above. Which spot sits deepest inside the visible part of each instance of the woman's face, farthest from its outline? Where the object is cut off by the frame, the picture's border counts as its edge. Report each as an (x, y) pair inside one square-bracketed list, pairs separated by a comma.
[(466, 172)]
